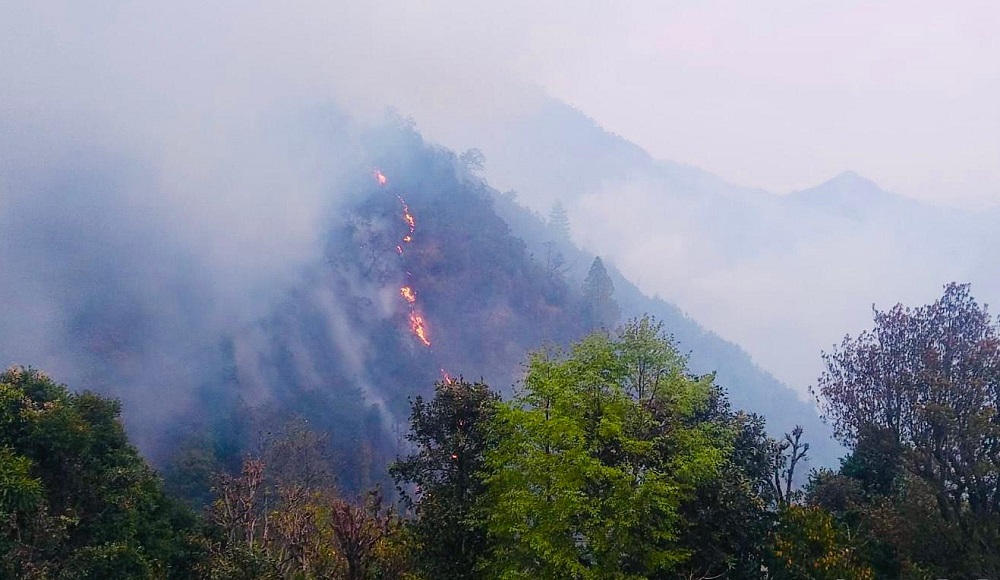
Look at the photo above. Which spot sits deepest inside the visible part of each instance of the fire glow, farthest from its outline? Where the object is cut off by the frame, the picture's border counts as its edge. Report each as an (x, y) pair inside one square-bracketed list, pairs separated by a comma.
[(417, 323), (408, 218), (419, 327)]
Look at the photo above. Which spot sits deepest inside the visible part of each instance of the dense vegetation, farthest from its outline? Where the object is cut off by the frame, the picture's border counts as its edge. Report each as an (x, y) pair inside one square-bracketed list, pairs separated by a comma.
[(614, 456), (916, 401), (76, 499), (611, 460)]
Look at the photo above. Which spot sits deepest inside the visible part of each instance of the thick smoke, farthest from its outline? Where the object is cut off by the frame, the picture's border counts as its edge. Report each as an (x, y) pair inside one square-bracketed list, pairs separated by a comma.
[(791, 275), (124, 271), (168, 168), (156, 196)]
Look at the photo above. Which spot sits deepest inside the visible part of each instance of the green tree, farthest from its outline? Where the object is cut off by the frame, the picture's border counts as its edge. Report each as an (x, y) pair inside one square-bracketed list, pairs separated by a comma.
[(77, 500), (729, 518), (599, 307), (589, 477), (442, 481)]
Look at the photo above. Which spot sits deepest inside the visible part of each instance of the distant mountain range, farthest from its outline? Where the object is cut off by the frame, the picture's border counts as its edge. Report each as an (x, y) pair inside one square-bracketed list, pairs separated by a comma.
[(783, 275)]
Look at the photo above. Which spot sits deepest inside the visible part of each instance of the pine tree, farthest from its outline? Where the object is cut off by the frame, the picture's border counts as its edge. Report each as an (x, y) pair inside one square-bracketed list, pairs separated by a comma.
[(559, 222), (599, 307)]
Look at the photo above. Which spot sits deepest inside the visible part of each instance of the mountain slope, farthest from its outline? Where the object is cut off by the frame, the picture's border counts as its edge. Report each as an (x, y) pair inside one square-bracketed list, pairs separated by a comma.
[(343, 350), (783, 276), (749, 386), (131, 311)]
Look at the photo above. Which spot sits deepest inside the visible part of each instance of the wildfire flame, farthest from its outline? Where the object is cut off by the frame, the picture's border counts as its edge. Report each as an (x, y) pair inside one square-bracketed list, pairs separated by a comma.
[(380, 177), (417, 323), (407, 216), (419, 327)]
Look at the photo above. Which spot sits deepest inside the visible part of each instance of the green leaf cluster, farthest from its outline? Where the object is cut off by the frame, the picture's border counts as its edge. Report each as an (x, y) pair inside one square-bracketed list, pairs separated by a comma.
[(601, 447), (76, 499)]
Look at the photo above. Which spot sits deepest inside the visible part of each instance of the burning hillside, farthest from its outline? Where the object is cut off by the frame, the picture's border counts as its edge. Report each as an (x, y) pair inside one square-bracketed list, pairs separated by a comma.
[(449, 279)]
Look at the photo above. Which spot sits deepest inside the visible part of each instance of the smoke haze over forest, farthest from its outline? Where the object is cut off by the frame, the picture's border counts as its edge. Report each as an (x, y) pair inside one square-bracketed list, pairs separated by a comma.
[(178, 164), (460, 290)]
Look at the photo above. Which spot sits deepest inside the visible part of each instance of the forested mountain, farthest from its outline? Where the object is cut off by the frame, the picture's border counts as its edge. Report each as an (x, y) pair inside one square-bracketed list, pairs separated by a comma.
[(422, 274), (779, 274), (749, 386), (396, 304), (353, 291), (134, 312), (419, 280)]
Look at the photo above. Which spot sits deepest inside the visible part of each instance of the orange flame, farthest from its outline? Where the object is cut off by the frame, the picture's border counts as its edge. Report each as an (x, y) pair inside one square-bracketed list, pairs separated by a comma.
[(407, 216), (447, 378), (419, 328), (380, 177), (417, 323)]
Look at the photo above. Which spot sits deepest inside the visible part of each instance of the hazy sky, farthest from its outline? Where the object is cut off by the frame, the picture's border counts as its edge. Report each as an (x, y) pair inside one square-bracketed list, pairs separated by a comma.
[(783, 95), (779, 95)]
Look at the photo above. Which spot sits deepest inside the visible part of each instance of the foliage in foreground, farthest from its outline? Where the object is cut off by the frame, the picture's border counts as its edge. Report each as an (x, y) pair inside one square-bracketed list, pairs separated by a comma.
[(76, 499), (916, 401), (612, 461)]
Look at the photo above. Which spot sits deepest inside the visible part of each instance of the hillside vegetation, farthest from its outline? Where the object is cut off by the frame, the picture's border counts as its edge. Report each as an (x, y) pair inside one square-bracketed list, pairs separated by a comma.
[(336, 436), (611, 460)]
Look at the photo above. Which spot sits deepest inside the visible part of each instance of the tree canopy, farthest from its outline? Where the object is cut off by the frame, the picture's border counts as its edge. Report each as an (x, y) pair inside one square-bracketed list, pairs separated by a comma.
[(442, 479), (76, 499), (597, 459), (916, 401), (611, 460)]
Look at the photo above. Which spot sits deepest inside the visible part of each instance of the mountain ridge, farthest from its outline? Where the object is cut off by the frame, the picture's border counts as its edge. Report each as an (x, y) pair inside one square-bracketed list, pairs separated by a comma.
[(339, 347), (783, 275)]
